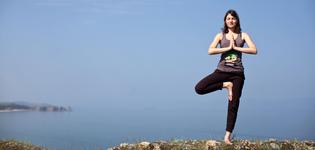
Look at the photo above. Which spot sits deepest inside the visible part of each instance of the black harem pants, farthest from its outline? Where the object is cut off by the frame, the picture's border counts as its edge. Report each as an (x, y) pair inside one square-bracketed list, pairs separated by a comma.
[(215, 81)]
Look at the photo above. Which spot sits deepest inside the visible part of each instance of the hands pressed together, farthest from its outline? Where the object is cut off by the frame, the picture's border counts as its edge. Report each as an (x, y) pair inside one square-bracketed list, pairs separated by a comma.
[(232, 43)]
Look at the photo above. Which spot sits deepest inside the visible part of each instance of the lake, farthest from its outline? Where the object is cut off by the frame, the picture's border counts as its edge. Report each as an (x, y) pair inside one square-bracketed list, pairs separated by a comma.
[(104, 126)]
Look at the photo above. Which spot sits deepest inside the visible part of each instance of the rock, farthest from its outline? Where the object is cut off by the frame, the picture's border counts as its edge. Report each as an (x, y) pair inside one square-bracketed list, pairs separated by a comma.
[(154, 146), (309, 143), (218, 145), (274, 146), (246, 145), (144, 144), (212, 143), (272, 140), (123, 144)]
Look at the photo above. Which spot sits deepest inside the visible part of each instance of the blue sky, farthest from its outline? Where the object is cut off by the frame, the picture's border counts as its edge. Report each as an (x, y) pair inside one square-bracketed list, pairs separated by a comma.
[(113, 52)]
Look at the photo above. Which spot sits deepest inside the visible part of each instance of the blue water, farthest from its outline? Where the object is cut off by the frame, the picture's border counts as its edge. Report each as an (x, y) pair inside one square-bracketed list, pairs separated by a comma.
[(100, 127)]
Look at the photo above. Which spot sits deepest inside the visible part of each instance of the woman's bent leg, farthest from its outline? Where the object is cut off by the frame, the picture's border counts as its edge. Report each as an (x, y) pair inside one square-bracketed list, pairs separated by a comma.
[(211, 83)]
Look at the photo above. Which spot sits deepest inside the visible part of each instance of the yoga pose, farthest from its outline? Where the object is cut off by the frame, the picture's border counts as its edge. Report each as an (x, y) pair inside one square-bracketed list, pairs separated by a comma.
[(230, 71)]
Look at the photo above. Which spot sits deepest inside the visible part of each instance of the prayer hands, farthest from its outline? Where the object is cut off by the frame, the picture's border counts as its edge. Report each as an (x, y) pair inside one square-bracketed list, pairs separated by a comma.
[(232, 43)]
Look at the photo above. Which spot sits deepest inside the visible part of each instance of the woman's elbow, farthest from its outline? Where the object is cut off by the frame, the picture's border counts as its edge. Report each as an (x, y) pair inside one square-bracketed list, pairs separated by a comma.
[(211, 52), (255, 51)]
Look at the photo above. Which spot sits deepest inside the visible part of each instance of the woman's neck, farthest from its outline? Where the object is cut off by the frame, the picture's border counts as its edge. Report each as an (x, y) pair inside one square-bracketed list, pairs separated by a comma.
[(231, 30)]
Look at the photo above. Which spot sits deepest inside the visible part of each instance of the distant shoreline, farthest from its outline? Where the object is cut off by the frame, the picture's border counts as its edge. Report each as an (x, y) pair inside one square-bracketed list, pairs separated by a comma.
[(27, 107), (14, 110)]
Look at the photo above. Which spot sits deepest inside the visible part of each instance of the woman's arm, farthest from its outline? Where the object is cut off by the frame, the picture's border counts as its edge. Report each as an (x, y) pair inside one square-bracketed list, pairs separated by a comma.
[(213, 46), (251, 49)]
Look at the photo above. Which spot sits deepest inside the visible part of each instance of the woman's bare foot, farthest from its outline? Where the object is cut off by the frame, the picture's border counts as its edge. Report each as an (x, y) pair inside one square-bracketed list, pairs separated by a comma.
[(227, 138), (228, 86)]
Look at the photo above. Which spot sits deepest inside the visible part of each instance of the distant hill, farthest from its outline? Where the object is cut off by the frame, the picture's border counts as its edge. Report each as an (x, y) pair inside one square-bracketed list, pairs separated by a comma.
[(25, 106)]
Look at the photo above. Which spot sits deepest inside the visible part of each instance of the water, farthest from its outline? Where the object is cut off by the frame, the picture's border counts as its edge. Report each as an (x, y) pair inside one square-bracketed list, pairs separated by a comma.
[(101, 127)]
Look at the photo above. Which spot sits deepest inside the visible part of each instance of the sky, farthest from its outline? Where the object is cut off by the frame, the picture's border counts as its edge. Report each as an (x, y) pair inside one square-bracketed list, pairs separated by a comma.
[(149, 52)]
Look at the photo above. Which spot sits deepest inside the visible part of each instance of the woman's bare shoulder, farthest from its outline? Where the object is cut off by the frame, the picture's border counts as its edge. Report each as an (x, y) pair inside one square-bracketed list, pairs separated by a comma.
[(219, 35), (244, 35)]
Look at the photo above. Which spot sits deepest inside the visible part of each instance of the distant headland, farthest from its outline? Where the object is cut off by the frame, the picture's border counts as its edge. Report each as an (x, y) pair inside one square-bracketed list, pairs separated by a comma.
[(25, 106)]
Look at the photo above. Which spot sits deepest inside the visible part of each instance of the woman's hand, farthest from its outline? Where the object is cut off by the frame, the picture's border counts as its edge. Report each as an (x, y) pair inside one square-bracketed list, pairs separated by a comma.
[(213, 47), (232, 43)]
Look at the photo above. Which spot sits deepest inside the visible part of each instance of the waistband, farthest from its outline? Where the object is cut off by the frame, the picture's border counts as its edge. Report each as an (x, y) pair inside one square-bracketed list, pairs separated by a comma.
[(241, 74)]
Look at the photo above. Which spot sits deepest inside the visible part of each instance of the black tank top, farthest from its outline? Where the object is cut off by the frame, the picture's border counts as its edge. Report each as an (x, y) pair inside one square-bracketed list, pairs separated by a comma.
[(231, 61)]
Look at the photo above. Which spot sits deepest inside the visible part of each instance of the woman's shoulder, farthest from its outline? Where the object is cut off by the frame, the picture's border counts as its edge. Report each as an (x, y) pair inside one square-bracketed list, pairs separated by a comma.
[(219, 35), (244, 35)]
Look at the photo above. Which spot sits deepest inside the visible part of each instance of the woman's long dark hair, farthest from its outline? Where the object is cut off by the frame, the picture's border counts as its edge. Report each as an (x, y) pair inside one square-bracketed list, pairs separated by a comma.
[(238, 25)]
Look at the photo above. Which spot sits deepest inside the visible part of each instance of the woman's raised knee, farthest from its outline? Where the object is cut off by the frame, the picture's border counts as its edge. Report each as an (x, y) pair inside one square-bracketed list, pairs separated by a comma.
[(199, 90)]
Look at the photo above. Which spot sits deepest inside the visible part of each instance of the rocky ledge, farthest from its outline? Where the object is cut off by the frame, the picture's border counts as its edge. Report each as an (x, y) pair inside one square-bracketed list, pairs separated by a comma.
[(18, 145), (270, 144)]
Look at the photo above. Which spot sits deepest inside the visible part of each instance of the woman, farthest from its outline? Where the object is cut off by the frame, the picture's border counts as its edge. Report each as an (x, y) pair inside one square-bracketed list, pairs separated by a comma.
[(230, 71)]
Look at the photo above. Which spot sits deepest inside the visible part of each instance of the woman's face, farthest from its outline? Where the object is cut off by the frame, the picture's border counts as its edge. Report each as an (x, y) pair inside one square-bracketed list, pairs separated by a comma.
[(230, 21)]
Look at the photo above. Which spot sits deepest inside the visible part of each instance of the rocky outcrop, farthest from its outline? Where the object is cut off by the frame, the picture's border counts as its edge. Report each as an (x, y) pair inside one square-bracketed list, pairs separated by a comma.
[(218, 145), (22, 106), (18, 145)]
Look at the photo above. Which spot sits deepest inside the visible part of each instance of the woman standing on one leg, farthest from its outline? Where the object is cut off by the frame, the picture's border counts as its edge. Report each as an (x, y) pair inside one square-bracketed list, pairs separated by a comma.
[(230, 71)]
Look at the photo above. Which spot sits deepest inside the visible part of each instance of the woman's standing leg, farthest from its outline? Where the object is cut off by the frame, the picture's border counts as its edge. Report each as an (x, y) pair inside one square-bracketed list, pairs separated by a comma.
[(233, 105)]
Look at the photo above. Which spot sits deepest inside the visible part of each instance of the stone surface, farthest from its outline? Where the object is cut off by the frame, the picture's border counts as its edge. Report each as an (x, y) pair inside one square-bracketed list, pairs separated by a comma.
[(271, 144)]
